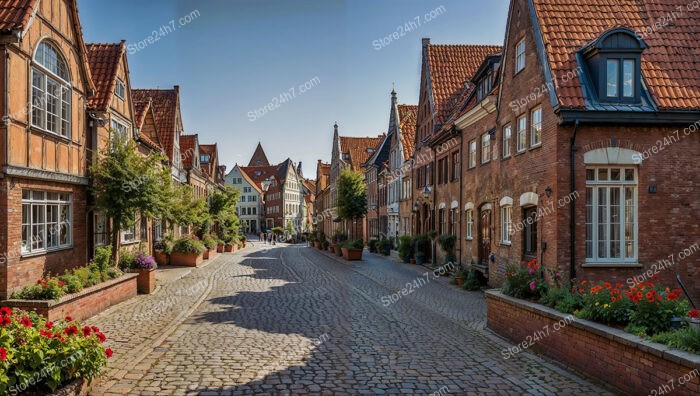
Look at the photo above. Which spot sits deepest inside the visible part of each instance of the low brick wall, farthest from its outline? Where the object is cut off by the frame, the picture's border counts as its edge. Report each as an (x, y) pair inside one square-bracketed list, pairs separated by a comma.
[(85, 303), (614, 357)]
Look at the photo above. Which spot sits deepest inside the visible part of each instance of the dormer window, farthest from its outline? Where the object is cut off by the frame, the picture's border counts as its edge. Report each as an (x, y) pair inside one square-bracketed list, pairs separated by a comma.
[(346, 157), (485, 85), (614, 64)]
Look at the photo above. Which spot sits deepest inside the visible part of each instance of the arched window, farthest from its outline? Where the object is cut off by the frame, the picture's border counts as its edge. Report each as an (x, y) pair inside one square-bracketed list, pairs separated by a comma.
[(51, 91)]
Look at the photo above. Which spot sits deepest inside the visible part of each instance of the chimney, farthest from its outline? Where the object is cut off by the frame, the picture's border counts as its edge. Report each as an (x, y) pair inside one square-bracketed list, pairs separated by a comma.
[(425, 41), (176, 88)]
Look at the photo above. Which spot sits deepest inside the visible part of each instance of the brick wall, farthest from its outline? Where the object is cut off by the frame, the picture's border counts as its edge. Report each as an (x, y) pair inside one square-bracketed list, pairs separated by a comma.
[(19, 271), (611, 356)]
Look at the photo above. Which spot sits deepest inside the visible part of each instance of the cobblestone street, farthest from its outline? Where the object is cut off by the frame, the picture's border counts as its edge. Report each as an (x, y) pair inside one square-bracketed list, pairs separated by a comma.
[(293, 320)]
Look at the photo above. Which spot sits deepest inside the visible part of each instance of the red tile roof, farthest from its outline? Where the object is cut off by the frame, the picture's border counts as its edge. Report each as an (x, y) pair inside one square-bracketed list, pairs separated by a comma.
[(210, 149), (258, 174), (165, 105), (670, 64), (15, 14), (246, 176), (259, 158), (187, 144), (104, 65), (141, 109), (450, 66), (359, 149), (407, 122)]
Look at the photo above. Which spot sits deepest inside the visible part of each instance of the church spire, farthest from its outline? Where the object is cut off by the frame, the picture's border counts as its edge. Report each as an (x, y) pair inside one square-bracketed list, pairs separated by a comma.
[(259, 158)]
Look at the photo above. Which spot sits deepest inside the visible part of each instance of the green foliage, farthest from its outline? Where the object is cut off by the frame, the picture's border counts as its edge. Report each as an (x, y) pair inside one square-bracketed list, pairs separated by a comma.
[(562, 300), (686, 339), (340, 237), (473, 280), (127, 259), (185, 209), (357, 244), (372, 245), (405, 247), (447, 242), (600, 307), (209, 242), (525, 281), (188, 245), (385, 246), (72, 281), (44, 356), (352, 197), (102, 256), (421, 244), (277, 230)]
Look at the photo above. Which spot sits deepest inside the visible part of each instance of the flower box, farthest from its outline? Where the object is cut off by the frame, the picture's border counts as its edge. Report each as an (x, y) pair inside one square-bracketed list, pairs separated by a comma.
[(79, 387), (220, 248), (186, 259), (85, 303), (209, 254), (596, 350), (161, 257), (351, 254), (228, 248), (146, 281)]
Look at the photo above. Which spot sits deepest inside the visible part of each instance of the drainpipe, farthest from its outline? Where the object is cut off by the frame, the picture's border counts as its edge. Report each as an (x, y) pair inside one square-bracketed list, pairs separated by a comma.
[(459, 201), (572, 209)]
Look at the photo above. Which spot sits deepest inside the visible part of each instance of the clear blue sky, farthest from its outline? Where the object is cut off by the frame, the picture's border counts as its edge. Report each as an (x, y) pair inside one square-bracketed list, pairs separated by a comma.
[(234, 56)]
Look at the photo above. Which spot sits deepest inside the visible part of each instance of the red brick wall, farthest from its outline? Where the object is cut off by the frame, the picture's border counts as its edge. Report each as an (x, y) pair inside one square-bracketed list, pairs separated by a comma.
[(19, 271), (606, 354)]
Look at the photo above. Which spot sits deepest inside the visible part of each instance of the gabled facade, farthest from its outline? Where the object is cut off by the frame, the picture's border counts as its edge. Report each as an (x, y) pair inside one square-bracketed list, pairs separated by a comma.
[(209, 163), (403, 143), (250, 205), (323, 218), (194, 175), (43, 153)]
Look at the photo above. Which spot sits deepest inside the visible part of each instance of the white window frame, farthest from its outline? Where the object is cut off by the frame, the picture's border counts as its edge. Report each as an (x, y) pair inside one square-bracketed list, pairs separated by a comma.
[(119, 127), (521, 138), (40, 96), (133, 233), (472, 154), (507, 136), (594, 188), (520, 56), (37, 232), (506, 224), (470, 224), (536, 127), (485, 148), (120, 89)]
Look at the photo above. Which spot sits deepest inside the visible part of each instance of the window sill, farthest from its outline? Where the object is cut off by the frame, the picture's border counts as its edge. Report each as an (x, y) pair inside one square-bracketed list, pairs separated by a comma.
[(130, 242), (521, 152), (46, 132), (469, 238), (509, 156), (612, 265), (536, 146), (45, 252), (506, 243)]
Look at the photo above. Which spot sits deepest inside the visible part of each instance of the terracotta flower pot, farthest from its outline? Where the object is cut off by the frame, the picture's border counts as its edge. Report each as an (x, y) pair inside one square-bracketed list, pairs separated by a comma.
[(209, 254), (459, 280), (146, 281), (228, 248), (412, 261), (351, 254), (186, 259), (220, 248), (161, 257)]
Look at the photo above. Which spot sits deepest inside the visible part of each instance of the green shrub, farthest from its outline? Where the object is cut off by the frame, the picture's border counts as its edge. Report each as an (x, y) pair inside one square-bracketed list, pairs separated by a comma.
[(686, 339), (191, 245), (372, 245), (209, 242), (562, 300), (102, 256), (405, 247), (72, 281), (421, 244), (473, 280), (525, 281), (604, 304), (127, 258)]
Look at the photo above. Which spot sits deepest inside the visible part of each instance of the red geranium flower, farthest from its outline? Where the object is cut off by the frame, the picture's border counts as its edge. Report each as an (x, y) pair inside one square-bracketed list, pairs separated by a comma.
[(672, 296), (40, 281), (26, 322), (69, 319), (46, 334), (5, 311), (71, 330), (655, 277), (694, 314), (86, 331), (101, 337), (95, 329), (49, 325), (618, 285), (3, 353), (5, 321), (108, 352), (607, 285)]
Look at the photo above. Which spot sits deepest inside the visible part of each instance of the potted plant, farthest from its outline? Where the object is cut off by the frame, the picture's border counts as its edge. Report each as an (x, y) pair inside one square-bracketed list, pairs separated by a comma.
[(405, 248), (352, 251), (210, 245), (385, 246), (447, 243), (420, 258), (372, 246), (162, 250), (421, 244), (220, 246), (244, 238), (693, 319), (145, 266), (187, 251)]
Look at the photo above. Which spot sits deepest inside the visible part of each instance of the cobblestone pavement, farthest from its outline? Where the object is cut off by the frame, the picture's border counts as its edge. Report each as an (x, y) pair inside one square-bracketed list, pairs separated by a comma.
[(293, 320)]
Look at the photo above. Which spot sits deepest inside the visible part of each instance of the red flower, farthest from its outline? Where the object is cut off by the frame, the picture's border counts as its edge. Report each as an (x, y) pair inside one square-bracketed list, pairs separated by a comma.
[(618, 285), (607, 285), (5, 321), (86, 331), (101, 337), (46, 334), (108, 352), (71, 330), (59, 336), (40, 281), (672, 296), (95, 329), (3, 353), (49, 325), (5, 311), (655, 277), (26, 322), (694, 314), (583, 282), (69, 319)]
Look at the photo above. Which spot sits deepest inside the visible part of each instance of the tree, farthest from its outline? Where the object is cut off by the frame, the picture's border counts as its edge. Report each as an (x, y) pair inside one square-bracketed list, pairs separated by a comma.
[(222, 211), (185, 209), (127, 184), (352, 196)]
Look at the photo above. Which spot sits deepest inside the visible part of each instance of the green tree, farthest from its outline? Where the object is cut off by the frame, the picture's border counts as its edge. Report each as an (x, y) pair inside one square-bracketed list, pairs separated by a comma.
[(127, 184), (185, 209), (222, 211), (352, 196)]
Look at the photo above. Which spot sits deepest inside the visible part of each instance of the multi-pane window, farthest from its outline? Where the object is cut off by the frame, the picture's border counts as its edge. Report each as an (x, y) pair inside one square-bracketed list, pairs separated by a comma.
[(51, 92), (120, 89), (46, 221), (455, 166), (522, 133), (443, 223), (246, 189), (536, 127), (485, 148), (611, 214), (530, 232), (506, 224), (520, 56), (470, 224), (472, 154), (620, 80), (101, 230), (132, 234), (507, 137), (120, 128)]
